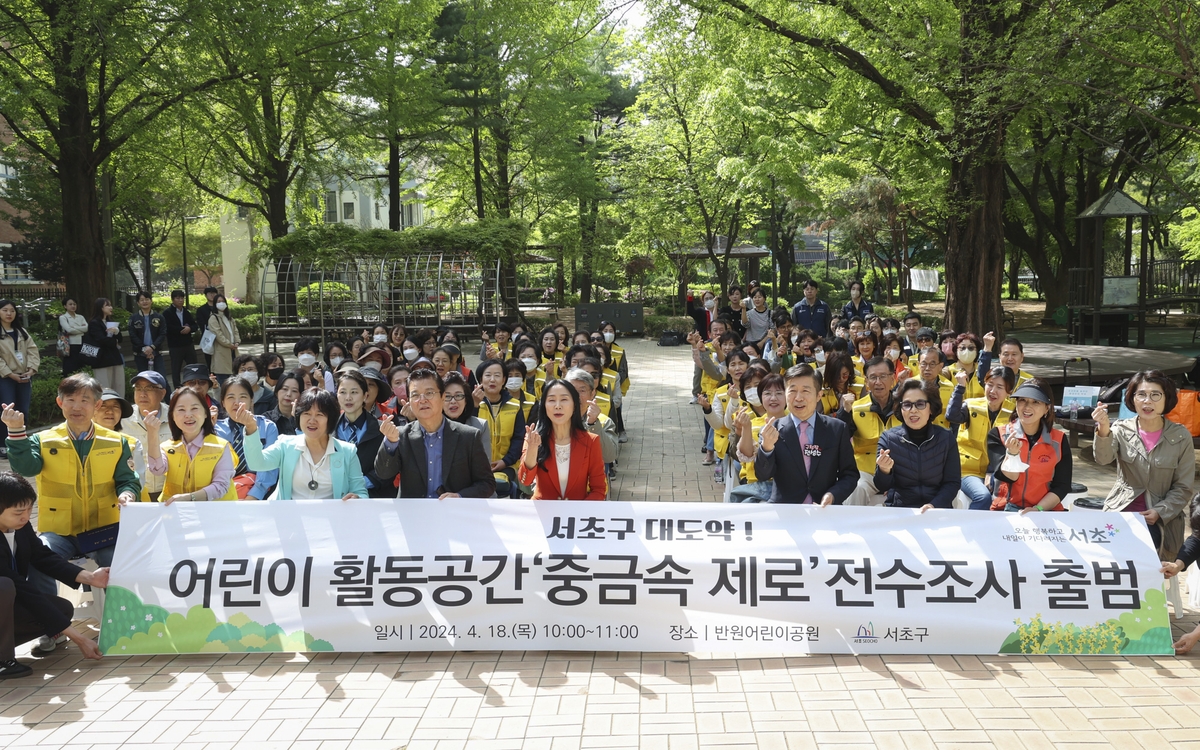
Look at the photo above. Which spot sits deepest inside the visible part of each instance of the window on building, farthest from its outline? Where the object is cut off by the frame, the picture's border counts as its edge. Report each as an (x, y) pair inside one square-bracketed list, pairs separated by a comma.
[(330, 207), (348, 211), (376, 212)]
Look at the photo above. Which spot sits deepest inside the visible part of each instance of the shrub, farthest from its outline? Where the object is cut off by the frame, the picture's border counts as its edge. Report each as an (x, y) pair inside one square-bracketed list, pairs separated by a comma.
[(249, 327), (333, 297), (654, 325)]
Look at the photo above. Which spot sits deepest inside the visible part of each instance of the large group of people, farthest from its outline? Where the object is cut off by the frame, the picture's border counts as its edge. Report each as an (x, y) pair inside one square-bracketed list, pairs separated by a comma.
[(383, 415), (834, 407)]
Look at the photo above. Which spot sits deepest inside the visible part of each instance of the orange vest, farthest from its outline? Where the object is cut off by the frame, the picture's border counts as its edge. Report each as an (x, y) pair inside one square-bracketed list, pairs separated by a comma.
[(1033, 485)]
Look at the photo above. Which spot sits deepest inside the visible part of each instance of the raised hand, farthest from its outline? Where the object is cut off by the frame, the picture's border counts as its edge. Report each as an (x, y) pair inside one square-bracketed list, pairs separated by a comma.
[(884, 461), (213, 412), (13, 419), (1100, 414), (478, 395), (742, 420), (703, 401), (848, 401), (769, 434), (151, 422), (989, 340), (406, 410), (962, 377), (593, 411), (390, 430), (533, 439), (493, 352), (244, 417), (1013, 445)]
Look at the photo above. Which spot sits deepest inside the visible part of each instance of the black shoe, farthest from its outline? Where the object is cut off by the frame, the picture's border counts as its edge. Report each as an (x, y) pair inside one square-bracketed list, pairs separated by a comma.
[(11, 668)]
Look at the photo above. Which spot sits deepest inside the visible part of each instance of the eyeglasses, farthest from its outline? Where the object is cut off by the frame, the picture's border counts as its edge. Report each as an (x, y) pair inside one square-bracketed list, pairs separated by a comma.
[(921, 405), (878, 378), (1154, 396), (456, 398), (423, 396)]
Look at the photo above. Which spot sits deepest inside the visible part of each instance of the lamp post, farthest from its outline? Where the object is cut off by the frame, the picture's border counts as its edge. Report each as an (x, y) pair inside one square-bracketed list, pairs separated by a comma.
[(183, 237)]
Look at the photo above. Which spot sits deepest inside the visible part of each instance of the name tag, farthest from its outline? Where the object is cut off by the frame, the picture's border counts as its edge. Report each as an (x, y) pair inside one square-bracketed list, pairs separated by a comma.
[(20, 358), (812, 451)]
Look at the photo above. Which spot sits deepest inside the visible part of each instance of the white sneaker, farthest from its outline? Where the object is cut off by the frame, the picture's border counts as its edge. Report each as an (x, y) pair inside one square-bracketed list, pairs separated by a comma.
[(46, 644)]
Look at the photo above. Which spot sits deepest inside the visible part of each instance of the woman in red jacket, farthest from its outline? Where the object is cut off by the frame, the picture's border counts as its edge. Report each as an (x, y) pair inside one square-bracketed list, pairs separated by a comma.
[(561, 459)]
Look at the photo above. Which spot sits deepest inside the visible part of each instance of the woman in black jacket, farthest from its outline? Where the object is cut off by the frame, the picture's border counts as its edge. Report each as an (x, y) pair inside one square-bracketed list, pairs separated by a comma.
[(104, 333), (918, 465)]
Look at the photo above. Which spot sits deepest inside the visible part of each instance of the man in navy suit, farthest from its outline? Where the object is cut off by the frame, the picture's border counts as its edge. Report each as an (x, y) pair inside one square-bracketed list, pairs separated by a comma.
[(807, 454)]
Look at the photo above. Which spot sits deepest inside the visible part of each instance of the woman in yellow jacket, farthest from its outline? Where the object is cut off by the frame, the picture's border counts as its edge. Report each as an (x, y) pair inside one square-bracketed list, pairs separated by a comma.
[(841, 378), (714, 413), (772, 394), (978, 417), (198, 465), (19, 362)]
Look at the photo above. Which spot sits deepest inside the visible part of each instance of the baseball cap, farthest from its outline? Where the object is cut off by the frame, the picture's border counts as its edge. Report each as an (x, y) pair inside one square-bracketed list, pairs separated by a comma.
[(152, 377)]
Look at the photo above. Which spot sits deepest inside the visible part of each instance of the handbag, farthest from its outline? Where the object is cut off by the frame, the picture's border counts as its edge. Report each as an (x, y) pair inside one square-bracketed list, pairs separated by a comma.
[(206, 342), (63, 346), (90, 541), (90, 352), (1187, 411), (670, 338)]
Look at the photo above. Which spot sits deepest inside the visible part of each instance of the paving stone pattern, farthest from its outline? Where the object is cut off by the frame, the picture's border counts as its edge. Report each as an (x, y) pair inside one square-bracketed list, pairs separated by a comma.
[(606, 700)]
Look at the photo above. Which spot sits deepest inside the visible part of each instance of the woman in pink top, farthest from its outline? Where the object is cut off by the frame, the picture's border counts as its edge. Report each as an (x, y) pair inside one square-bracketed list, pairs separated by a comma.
[(1156, 464)]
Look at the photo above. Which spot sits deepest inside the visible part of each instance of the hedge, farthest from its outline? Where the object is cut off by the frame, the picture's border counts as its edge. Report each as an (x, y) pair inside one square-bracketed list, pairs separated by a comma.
[(654, 325), (43, 408)]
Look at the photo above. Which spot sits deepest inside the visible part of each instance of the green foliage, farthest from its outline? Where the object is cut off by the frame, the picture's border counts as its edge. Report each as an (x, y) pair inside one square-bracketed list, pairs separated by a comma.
[(237, 308), (332, 298), (43, 409), (249, 327), (131, 627), (1146, 630), (654, 325), (326, 244)]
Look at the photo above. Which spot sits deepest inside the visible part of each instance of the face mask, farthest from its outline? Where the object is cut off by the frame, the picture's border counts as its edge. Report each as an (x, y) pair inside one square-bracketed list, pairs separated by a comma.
[(335, 361), (308, 360), (221, 305), (892, 354), (609, 337), (710, 304), (795, 339), (411, 354), (966, 356), (753, 399), (400, 391), (602, 361), (530, 363), (887, 331), (252, 377), (380, 338), (513, 384), (275, 373), (819, 354)]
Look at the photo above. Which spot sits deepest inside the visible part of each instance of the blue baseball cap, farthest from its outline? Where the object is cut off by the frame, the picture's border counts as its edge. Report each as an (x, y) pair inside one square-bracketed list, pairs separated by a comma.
[(154, 378)]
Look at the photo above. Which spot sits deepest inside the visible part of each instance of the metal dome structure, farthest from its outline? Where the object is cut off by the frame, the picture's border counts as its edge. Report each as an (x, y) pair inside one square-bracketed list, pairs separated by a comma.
[(420, 290)]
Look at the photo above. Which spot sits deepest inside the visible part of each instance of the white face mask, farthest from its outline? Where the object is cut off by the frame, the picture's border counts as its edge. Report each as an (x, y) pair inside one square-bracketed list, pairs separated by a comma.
[(753, 399), (380, 338), (411, 354), (892, 354), (513, 384), (795, 339), (819, 354), (601, 361), (710, 304), (887, 331), (966, 356), (307, 359), (335, 361), (221, 305), (530, 363), (609, 337), (251, 377)]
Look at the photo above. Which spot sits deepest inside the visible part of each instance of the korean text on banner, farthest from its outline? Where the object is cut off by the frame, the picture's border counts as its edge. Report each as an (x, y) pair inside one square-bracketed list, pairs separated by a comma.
[(422, 575)]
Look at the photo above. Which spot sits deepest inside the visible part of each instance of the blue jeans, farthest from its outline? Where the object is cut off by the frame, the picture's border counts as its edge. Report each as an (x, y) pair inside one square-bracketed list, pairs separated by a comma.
[(17, 394), (977, 491), (66, 548)]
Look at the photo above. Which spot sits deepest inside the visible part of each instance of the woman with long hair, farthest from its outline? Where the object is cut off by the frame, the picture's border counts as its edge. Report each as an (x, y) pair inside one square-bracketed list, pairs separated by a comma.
[(104, 333), (19, 362), (221, 325), (287, 389), (841, 378), (358, 426), (197, 463), (561, 460)]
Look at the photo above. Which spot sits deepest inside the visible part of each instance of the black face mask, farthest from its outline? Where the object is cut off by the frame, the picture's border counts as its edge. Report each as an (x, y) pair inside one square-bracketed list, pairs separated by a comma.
[(275, 373)]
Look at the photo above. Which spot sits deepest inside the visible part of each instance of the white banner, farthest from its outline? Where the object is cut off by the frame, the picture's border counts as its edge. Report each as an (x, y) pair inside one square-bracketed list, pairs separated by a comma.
[(424, 575), (923, 279)]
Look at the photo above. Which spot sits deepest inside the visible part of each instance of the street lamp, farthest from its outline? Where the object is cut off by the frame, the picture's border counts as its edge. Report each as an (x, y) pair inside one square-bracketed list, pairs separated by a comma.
[(183, 237)]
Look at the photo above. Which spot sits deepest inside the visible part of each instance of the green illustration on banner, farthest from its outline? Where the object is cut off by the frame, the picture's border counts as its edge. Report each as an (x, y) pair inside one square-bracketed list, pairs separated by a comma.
[(131, 627), (1146, 630)]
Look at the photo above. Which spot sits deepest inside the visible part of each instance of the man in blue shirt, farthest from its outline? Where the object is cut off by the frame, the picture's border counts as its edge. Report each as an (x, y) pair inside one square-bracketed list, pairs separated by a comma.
[(812, 313), (147, 332)]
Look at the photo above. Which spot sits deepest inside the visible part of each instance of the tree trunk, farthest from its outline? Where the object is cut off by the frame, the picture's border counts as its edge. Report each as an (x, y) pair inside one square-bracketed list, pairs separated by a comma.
[(477, 160), (87, 270), (975, 242), (589, 212), (393, 178), (1014, 271)]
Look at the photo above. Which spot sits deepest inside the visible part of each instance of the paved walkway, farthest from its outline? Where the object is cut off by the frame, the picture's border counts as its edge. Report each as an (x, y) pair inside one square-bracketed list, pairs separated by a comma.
[(575, 700)]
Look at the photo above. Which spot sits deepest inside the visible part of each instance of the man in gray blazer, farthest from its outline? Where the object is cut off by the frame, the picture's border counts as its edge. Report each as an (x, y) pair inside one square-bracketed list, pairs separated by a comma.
[(434, 456)]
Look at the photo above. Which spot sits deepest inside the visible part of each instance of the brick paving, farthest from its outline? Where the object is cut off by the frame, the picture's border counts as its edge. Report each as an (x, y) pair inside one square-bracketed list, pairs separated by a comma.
[(583, 700)]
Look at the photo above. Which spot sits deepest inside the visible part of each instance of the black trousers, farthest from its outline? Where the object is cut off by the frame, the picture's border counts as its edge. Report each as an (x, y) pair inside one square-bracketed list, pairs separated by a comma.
[(17, 624), (179, 357)]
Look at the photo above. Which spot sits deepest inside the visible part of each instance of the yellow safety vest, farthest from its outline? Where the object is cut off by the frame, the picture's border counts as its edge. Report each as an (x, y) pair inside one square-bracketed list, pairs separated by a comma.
[(720, 399), (945, 390), (502, 422), (186, 474), (756, 425), (604, 402), (618, 357), (830, 402), (527, 402), (707, 384), (974, 387), (75, 496), (972, 436), (868, 426)]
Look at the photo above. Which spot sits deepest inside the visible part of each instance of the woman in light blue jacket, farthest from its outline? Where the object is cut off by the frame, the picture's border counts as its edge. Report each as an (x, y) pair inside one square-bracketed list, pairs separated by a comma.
[(313, 465)]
